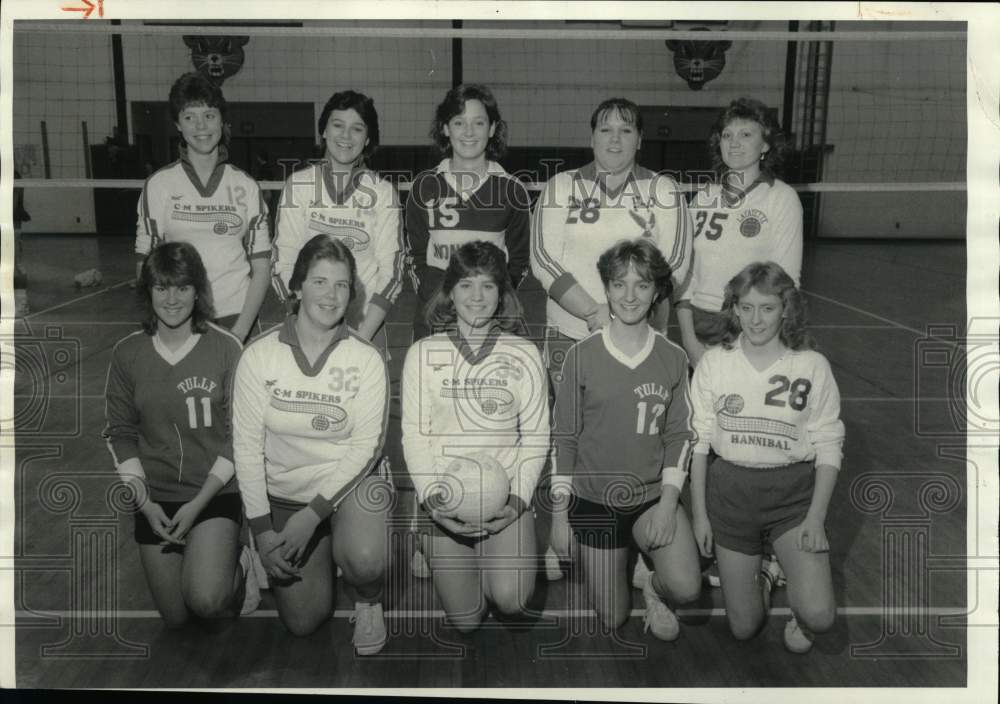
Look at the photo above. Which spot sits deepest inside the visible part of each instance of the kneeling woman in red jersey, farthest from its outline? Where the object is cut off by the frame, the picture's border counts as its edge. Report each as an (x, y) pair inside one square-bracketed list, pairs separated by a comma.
[(168, 431), (474, 388), (622, 441), (768, 405), (309, 419)]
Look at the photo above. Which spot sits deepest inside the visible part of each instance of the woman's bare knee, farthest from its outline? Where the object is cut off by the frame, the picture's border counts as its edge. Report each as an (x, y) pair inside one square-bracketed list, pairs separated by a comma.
[(300, 624), (745, 629)]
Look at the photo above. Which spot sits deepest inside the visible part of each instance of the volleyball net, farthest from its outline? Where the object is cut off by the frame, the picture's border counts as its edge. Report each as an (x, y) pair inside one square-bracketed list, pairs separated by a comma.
[(875, 112)]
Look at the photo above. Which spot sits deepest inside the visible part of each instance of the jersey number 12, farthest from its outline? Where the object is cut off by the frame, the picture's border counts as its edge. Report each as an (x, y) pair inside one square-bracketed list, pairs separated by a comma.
[(641, 423)]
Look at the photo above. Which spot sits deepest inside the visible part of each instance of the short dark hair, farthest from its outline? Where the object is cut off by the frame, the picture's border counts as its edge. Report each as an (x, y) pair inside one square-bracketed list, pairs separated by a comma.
[(470, 259), (770, 279), (648, 262), (628, 111), (175, 264), (322, 247), (195, 89), (454, 104), (755, 111), (361, 104)]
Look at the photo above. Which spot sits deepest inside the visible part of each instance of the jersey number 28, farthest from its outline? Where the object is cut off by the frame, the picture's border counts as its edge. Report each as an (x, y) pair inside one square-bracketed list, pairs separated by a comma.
[(798, 391), (589, 212)]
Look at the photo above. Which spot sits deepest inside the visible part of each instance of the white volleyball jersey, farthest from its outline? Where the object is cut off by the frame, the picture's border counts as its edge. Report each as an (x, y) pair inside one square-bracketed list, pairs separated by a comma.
[(362, 211), (788, 413), (302, 432), (733, 229), (225, 219), (576, 220), (456, 402)]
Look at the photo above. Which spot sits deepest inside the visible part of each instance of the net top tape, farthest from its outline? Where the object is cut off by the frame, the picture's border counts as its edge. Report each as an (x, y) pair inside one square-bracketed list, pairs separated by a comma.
[(830, 187), (421, 32)]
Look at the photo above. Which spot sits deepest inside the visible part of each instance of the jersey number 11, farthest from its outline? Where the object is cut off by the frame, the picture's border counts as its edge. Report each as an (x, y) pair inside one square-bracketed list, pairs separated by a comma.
[(206, 411)]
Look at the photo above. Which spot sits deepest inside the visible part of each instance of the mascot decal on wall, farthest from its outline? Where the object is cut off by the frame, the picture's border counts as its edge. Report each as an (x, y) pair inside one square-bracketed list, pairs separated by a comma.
[(698, 62), (217, 58)]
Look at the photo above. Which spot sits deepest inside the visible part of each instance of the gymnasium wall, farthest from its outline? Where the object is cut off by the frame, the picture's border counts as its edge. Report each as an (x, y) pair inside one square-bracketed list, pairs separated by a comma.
[(547, 90)]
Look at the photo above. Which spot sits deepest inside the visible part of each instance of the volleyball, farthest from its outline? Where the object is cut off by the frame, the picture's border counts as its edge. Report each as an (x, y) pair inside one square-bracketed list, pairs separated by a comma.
[(479, 488)]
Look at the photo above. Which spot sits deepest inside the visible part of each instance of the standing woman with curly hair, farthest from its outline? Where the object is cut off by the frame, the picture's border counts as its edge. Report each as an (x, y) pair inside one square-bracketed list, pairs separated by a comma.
[(769, 407), (466, 197), (342, 198), (748, 215)]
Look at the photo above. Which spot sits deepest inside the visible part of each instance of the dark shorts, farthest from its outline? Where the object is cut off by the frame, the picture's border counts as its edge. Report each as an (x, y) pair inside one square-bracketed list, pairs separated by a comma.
[(604, 527), (221, 506), (282, 510), (747, 505)]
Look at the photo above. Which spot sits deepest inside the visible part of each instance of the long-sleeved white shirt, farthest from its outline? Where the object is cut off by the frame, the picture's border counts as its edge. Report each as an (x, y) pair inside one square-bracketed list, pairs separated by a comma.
[(787, 413), (456, 403), (362, 211), (732, 230), (225, 219), (306, 432), (576, 220)]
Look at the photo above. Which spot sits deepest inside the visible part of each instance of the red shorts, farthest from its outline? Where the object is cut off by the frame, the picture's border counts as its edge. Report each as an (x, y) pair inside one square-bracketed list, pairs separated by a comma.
[(748, 505)]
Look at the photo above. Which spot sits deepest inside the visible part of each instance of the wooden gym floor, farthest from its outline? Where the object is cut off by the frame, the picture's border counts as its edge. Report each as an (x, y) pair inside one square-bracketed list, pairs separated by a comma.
[(897, 522)]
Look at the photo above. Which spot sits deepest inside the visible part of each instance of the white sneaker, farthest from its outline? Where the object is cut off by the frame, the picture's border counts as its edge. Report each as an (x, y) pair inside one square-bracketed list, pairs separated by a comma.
[(553, 571), (641, 573), (258, 566), (769, 572), (251, 588), (795, 640), (777, 574), (712, 574), (419, 567), (369, 628), (659, 618)]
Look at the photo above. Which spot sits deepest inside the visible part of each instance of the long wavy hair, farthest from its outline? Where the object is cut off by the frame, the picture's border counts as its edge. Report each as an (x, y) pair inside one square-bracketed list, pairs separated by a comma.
[(753, 111), (769, 279), (454, 104), (175, 264), (471, 259)]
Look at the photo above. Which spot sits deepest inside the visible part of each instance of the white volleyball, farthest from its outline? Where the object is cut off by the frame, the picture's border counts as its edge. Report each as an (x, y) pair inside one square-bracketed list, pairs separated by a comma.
[(478, 487)]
